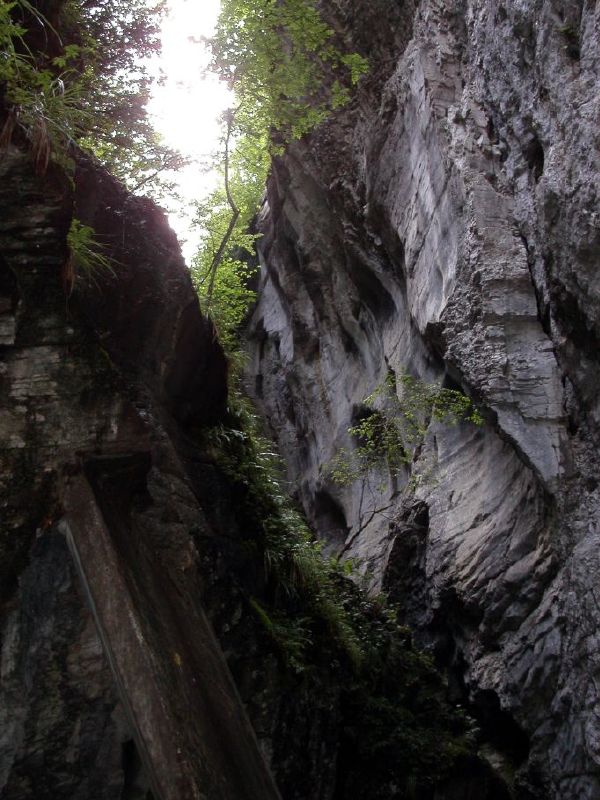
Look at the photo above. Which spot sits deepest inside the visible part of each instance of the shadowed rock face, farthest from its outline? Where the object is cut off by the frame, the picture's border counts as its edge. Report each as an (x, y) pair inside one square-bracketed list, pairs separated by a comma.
[(446, 225), (113, 685), (147, 314), (63, 731)]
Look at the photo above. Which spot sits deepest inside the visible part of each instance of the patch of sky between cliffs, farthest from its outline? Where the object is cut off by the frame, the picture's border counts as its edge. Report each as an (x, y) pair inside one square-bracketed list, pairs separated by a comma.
[(186, 105)]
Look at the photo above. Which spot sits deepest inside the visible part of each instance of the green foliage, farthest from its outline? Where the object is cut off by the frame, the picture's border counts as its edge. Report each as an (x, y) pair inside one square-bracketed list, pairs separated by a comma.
[(293, 561), (282, 63), (292, 636), (42, 101), (394, 423), (397, 728), (11, 39), (115, 40), (84, 82), (281, 60), (85, 252), (230, 295)]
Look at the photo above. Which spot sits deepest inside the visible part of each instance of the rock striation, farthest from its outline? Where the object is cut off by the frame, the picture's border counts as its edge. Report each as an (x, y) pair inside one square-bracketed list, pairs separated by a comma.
[(112, 682), (446, 225)]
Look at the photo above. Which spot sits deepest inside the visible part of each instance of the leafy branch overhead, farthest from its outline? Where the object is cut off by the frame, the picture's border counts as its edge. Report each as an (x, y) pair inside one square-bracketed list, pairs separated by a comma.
[(281, 61), (81, 78)]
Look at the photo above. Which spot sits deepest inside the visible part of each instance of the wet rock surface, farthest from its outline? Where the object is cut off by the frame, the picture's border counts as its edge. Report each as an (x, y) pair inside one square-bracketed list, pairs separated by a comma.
[(64, 733), (113, 685), (445, 225)]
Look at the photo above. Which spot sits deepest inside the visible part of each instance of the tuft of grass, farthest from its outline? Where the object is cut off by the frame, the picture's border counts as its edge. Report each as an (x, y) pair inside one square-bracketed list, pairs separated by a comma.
[(86, 250), (84, 255)]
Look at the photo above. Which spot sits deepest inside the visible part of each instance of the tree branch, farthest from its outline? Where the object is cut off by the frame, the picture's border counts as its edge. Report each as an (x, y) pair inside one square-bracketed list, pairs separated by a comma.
[(235, 212)]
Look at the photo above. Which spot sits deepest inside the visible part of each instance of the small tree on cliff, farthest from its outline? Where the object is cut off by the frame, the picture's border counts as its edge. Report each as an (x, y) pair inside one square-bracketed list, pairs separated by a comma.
[(287, 73)]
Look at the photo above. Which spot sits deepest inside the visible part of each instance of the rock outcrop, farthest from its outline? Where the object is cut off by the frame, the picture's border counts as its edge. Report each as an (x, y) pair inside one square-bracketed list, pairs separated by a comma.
[(446, 225), (113, 684)]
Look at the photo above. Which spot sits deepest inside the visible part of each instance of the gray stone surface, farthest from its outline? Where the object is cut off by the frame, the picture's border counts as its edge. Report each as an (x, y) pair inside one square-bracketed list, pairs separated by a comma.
[(446, 225)]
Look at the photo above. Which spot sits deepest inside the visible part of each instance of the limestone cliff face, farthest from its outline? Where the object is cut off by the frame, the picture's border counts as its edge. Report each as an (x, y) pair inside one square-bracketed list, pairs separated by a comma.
[(446, 225)]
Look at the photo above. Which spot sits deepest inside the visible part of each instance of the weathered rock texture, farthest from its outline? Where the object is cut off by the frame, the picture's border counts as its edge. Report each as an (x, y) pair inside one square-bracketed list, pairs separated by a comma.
[(122, 544), (446, 225), (112, 682)]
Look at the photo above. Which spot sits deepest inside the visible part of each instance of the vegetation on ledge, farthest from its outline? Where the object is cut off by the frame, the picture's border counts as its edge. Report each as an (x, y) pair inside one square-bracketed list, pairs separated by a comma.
[(391, 428), (396, 727)]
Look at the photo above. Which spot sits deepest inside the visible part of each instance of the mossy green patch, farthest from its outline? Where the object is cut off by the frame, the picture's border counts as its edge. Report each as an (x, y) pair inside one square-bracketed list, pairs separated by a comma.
[(397, 728)]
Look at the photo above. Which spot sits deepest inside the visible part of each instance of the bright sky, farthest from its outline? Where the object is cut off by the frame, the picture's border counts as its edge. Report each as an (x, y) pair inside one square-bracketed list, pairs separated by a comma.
[(186, 107)]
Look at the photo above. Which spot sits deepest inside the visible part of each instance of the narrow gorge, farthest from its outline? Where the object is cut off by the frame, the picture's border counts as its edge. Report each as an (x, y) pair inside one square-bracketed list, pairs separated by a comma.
[(442, 225)]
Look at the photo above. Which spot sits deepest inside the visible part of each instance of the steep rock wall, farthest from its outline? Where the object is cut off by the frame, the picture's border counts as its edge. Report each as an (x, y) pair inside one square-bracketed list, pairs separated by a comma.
[(112, 682), (123, 543), (446, 225)]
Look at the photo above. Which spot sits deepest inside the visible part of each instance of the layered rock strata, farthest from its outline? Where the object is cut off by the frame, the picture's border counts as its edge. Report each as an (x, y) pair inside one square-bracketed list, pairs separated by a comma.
[(113, 684), (445, 225)]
